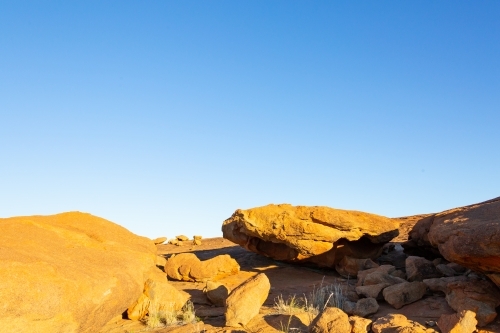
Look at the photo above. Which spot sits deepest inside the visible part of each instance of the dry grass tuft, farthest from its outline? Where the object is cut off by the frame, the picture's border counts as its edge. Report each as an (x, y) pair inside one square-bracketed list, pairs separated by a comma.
[(161, 316)]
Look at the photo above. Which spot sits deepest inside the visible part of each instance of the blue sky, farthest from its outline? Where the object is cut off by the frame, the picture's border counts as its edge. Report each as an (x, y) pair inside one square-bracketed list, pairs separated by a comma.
[(165, 116)]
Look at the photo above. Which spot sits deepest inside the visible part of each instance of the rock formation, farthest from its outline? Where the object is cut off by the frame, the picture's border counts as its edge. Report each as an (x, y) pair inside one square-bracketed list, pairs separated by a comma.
[(157, 290), (469, 236), (245, 301), (318, 235), (69, 272), (187, 267), (159, 240)]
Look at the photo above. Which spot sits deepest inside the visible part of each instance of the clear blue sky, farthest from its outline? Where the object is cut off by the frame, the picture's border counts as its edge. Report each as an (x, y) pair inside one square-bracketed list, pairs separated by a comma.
[(165, 116)]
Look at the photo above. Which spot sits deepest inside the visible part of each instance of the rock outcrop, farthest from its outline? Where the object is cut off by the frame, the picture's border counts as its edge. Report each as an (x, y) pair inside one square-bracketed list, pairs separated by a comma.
[(245, 301), (69, 272), (317, 235), (187, 267), (469, 236)]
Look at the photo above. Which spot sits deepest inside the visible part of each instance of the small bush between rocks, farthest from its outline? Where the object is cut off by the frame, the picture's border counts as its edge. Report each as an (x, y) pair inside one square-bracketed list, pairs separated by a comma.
[(161, 316), (317, 301), (329, 295), (289, 307)]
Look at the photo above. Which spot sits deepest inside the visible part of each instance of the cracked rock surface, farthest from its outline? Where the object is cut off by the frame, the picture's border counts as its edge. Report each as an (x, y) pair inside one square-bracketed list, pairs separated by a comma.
[(312, 234)]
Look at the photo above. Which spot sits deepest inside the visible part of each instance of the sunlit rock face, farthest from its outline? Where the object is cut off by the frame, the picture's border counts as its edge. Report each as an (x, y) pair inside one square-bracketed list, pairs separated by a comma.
[(315, 235), (69, 272)]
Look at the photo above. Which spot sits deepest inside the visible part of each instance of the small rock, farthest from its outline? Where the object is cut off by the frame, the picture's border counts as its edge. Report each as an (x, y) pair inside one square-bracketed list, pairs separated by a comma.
[(182, 238), (457, 268), (381, 277), (173, 242), (383, 268), (359, 324), (197, 237), (196, 241), (160, 261), (160, 240), (395, 258), (349, 267), (187, 267), (332, 320), (245, 301), (418, 269), (217, 293), (399, 273), (465, 322), (438, 261), (441, 284), (374, 290), (445, 270), (349, 307), (164, 295), (398, 323), (404, 293), (365, 307)]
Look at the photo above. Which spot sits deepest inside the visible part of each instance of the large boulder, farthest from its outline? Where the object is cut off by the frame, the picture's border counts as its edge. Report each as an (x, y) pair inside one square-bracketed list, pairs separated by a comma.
[(70, 272), (469, 236), (245, 301), (317, 235), (187, 267)]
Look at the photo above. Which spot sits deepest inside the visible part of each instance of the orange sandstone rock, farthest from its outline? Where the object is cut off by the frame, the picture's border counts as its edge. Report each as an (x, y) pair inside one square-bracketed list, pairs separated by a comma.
[(187, 267), (319, 235), (69, 272)]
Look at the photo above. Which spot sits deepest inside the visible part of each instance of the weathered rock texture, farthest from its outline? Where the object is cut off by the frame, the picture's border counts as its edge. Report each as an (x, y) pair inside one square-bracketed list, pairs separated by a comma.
[(464, 293), (360, 325), (245, 301), (318, 235), (217, 293), (463, 322), (162, 294), (69, 272), (469, 236), (397, 323), (349, 267), (401, 294), (187, 267), (332, 320)]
